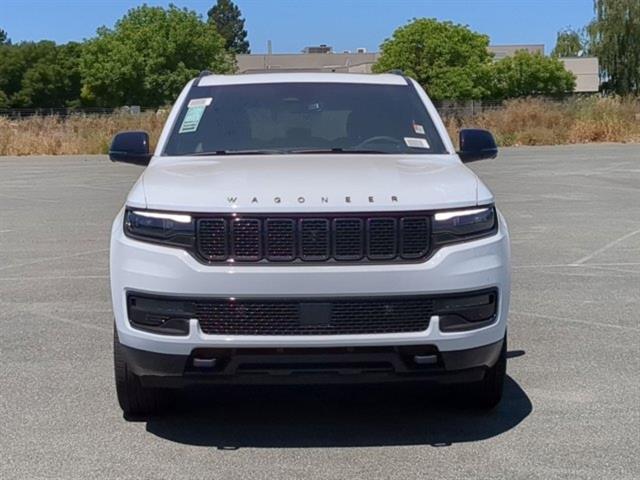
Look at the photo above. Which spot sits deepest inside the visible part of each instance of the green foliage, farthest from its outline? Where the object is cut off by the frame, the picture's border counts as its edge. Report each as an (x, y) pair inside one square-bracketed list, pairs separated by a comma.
[(453, 63), (4, 100), (449, 60), (615, 40), (12, 68), (148, 56), (4, 38), (526, 74), (569, 43), (227, 18), (36, 74)]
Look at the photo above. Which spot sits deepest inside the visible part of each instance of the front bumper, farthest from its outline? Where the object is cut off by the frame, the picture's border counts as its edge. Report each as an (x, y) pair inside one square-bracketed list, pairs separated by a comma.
[(153, 269), (277, 366)]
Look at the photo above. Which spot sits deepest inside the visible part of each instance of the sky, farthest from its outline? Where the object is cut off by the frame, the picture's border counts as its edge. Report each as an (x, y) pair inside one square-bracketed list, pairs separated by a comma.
[(291, 25)]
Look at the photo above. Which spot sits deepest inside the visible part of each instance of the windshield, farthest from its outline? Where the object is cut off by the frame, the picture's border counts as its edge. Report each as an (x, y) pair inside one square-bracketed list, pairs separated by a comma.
[(280, 118)]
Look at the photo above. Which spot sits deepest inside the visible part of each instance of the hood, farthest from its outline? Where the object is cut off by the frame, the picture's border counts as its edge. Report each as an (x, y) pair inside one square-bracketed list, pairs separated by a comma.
[(277, 183)]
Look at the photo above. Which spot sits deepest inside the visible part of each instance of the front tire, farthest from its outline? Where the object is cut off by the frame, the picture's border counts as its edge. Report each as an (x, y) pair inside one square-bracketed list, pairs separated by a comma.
[(134, 399), (487, 393)]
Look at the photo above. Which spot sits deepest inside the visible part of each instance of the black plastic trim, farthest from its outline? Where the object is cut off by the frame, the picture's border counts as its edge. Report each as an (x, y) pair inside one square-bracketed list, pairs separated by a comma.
[(201, 75), (245, 366), (187, 308), (304, 299), (432, 249)]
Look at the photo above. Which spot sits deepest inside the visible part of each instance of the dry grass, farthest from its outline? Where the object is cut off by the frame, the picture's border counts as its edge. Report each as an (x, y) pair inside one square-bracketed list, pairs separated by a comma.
[(518, 122), (77, 134), (534, 121)]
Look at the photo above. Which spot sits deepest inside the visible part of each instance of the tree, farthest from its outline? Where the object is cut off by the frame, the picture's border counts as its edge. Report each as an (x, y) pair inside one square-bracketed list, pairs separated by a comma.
[(148, 56), (39, 74), (226, 16), (615, 40), (12, 68), (53, 81), (4, 40), (449, 60), (525, 74), (569, 43)]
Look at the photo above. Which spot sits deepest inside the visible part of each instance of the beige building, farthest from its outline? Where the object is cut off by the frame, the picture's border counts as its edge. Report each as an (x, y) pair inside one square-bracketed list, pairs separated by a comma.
[(502, 51), (584, 68), (307, 62)]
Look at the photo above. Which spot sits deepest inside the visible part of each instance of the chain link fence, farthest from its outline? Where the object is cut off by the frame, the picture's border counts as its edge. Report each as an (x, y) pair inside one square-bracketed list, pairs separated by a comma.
[(463, 109), (63, 112)]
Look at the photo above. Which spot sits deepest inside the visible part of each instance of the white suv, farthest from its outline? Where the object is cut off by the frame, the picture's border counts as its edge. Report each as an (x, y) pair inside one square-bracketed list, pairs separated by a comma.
[(307, 228)]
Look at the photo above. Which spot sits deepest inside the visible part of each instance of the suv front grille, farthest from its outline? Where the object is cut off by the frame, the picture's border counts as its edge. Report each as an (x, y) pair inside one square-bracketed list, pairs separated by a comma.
[(313, 238), (336, 317)]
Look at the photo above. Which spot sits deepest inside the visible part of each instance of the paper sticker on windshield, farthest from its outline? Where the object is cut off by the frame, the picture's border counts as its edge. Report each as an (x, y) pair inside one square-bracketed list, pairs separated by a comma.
[(419, 129), (191, 120), (195, 110), (200, 102), (414, 142)]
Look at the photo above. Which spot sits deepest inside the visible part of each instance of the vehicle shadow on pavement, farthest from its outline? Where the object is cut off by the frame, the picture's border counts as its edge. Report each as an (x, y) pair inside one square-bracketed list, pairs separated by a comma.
[(336, 416)]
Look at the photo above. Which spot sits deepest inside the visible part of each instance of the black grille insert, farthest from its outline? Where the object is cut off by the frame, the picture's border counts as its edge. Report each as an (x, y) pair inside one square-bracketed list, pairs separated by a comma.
[(382, 241), (337, 317), (213, 244), (246, 239), (314, 238), (415, 237), (348, 239), (280, 239)]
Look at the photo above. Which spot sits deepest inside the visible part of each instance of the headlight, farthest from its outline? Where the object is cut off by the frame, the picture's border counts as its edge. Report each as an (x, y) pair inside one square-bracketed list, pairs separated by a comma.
[(461, 225), (156, 227)]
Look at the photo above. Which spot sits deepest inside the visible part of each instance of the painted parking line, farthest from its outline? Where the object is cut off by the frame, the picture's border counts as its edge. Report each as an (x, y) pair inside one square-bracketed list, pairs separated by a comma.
[(608, 246)]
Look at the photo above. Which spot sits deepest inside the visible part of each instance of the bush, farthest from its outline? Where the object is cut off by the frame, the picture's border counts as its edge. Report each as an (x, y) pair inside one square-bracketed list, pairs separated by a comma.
[(524, 74), (535, 121), (77, 134), (611, 119)]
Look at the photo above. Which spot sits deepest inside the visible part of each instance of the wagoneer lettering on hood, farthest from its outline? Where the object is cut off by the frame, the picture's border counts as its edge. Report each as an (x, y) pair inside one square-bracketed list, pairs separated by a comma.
[(297, 183)]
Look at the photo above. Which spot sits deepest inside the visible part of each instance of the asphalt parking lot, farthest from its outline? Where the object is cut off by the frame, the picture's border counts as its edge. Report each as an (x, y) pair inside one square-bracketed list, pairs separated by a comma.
[(572, 404)]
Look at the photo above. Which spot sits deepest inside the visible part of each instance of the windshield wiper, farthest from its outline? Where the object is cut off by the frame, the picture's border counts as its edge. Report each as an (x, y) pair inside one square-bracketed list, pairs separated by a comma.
[(275, 151), (334, 150), (236, 152)]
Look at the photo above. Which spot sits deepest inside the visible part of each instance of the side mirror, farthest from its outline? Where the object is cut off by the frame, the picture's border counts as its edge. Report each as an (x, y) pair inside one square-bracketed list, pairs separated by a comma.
[(130, 147), (476, 144)]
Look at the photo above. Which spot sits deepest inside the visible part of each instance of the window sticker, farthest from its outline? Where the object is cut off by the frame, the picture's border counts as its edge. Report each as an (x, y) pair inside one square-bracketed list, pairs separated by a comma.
[(414, 142), (195, 110), (419, 129), (200, 102)]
